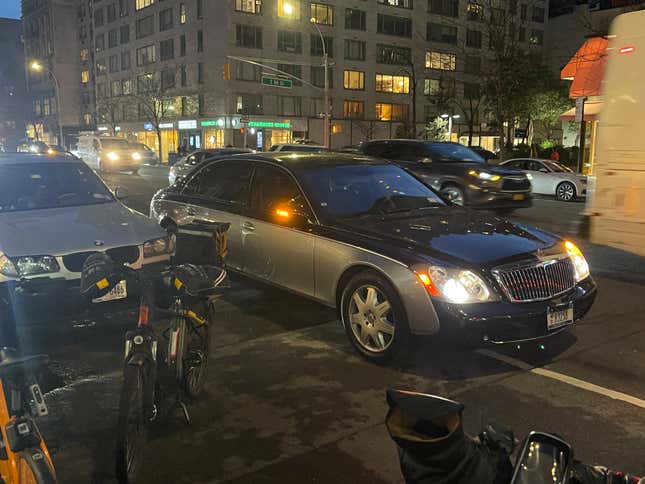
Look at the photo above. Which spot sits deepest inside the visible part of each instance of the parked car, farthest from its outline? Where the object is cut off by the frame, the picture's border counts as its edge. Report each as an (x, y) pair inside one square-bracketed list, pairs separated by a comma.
[(148, 155), (365, 236), (459, 174), (549, 177), (195, 158), (298, 147), (55, 212), (484, 153), (28, 145), (106, 153)]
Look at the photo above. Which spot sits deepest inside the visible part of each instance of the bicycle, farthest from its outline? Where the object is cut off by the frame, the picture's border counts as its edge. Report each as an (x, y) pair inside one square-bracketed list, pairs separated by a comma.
[(190, 288), (24, 458)]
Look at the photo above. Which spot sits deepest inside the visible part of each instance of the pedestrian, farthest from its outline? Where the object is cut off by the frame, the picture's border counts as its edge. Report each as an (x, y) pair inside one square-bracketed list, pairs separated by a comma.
[(555, 156)]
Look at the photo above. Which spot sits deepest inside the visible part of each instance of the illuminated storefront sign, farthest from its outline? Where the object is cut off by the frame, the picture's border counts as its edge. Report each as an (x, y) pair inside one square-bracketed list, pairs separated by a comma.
[(269, 124), (166, 125), (187, 124)]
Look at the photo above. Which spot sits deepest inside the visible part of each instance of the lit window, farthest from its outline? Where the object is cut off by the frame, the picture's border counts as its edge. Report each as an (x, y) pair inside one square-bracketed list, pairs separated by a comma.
[(434, 87), (441, 61), (394, 84), (289, 9), (353, 109), (46, 107), (85, 54), (391, 112), (87, 118), (354, 80), (139, 4), (182, 13), (249, 6), (85, 77), (322, 14), (474, 11), (396, 3), (146, 55)]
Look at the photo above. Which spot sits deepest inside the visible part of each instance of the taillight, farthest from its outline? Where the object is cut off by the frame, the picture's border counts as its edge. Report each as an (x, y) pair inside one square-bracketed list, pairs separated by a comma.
[(144, 314)]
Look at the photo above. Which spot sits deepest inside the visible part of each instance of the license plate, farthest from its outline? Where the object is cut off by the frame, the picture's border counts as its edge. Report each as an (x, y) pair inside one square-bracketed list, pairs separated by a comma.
[(518, 196), (557, 318), (118, 292)]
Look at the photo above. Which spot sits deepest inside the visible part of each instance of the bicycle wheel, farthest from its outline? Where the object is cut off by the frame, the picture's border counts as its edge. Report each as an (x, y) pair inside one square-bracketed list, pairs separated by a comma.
[(34, 468), (132, 431), (196, 350)]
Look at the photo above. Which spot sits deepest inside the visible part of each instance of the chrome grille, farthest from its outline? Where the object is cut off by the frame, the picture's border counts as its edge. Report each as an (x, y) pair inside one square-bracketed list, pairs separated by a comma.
[(536, 282)]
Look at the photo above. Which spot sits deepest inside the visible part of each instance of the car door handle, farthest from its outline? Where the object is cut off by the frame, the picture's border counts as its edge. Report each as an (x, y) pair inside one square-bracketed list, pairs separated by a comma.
[(191, 211), (248, 227)]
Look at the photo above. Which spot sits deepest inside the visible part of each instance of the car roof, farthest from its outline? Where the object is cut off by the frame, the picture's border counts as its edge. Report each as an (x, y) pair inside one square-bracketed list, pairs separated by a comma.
[(300, 145), (299, 161), (27, 158), (408, 140), (524, 159)]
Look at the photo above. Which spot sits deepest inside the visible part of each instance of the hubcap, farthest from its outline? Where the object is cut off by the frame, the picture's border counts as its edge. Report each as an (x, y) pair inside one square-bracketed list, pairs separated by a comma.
[(565, 191), (371, 319), (454, 195)]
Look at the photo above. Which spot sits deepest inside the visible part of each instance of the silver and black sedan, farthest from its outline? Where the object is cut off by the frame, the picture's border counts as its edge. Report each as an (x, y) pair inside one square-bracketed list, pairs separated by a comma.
[(193, 159), (365, 236)]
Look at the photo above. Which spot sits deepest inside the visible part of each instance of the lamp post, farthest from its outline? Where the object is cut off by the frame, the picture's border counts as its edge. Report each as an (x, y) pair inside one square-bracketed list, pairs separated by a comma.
[(326, 88), (450, 117), (38, 67)]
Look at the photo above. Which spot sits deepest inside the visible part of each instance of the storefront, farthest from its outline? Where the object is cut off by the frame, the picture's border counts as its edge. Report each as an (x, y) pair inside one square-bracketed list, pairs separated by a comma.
[(586, 70), (169, 139)]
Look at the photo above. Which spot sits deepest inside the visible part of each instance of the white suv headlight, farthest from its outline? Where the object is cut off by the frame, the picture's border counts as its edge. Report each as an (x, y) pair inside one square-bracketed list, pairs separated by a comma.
[(456, 285), (580, 265)]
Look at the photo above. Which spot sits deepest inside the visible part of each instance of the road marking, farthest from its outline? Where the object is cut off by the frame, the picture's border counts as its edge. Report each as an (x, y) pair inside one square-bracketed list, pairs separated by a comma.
[(590, 387)]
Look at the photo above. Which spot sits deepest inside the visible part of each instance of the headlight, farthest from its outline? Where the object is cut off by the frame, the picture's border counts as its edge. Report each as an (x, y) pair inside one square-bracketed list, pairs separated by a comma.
[(484, 175), (529, 176), (160, 246), (7, 267), (112, 156), (580, 266), (136, 156), (455, 285), (28, 265)]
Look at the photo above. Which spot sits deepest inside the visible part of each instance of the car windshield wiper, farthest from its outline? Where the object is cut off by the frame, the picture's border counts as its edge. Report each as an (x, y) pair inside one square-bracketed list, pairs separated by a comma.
[(400, 210)]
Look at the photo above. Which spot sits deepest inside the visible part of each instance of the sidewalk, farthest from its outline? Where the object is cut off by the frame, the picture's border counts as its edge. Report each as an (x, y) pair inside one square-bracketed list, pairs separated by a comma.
[(614, 263)]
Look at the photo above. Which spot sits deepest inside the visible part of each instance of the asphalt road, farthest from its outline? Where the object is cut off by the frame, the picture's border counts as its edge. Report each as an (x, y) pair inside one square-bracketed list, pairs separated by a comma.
[(287, 400)]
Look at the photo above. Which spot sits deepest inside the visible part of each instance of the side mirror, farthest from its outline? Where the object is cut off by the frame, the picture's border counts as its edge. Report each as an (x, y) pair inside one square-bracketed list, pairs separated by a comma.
[(288, 217), (120, 193), (544, 457)]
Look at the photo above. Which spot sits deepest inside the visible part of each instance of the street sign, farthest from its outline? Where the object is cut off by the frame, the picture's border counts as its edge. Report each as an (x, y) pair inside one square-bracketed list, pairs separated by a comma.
[(276, 82)]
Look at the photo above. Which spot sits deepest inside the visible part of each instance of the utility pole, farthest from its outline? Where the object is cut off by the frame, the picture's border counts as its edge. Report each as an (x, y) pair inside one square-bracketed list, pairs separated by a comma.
[(327, 114)]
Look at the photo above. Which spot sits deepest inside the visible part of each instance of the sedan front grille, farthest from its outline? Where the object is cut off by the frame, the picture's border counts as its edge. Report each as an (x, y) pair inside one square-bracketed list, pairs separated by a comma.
[(537, 282), (516, 184), (121, 255)]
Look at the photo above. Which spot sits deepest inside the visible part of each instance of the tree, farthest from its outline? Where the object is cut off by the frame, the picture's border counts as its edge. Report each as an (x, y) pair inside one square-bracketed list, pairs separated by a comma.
[(437, 129), (366, 128), (154, 98), (108, 111), (545, 108)]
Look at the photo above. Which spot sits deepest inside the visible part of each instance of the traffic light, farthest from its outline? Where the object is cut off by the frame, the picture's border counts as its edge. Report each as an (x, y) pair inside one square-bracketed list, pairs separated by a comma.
[(226, 72)]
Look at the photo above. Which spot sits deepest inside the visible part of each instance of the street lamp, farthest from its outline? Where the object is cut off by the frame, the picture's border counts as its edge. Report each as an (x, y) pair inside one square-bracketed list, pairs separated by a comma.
[(38, 67), (450, 117), (327, 115)]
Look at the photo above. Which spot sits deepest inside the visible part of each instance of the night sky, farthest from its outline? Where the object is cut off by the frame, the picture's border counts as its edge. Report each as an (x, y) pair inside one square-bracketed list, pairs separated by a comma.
[(10, 8)]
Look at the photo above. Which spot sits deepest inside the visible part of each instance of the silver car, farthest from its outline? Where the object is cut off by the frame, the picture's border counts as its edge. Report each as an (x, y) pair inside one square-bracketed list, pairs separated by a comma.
[(365, 236), (54, 212), (549, 177)]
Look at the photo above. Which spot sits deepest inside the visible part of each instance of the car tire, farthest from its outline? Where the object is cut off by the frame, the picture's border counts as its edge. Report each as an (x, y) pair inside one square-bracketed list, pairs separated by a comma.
[(454, 193), (565, 192), (368, 321)]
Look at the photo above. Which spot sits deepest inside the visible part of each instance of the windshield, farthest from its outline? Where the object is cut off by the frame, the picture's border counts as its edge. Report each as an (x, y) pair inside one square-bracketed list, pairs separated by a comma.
[(115, 144), (35, 186), (557, 167), (453, 152), (362, 189)]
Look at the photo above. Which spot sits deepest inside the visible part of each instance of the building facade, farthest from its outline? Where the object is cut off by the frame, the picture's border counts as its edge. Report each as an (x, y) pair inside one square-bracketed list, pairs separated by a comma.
[(13, 99), (209, 73), (51, 40)]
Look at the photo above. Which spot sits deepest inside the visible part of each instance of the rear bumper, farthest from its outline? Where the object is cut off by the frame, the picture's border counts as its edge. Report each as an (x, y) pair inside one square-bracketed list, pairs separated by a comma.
[(505, 322), (481, 197)]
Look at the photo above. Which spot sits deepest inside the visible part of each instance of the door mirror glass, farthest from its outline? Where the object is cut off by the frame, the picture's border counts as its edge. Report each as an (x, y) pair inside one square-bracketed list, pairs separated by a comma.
[(120, 193), (544, 457)]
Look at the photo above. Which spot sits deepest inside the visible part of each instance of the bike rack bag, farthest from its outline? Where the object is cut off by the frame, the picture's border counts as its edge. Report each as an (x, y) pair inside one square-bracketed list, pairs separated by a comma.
[(203, 243)]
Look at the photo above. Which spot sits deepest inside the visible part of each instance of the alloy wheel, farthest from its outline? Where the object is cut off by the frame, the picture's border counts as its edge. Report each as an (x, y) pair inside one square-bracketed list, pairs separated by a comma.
[(454, 194), (371, 318), (565, 191)]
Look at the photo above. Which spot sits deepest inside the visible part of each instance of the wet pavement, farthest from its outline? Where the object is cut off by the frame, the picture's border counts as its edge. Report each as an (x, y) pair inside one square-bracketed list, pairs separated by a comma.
[(288, 400)]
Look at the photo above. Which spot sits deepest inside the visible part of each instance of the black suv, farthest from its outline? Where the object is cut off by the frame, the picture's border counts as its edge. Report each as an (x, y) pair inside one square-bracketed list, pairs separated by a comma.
[(458, 173)]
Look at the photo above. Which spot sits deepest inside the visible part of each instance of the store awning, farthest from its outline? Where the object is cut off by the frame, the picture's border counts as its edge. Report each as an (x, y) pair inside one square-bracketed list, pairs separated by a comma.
[(586, 68), (592, 111)]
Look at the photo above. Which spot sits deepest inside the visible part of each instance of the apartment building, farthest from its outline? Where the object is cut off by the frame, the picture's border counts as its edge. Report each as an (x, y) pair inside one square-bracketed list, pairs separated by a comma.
[(12, 85), (251, 71), (51, 40)]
